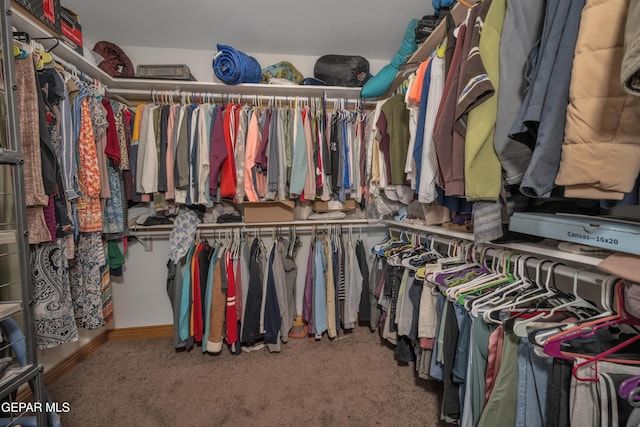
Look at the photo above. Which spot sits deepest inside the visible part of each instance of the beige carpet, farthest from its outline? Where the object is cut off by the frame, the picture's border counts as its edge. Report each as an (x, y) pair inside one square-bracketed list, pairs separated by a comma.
[(351, 381)]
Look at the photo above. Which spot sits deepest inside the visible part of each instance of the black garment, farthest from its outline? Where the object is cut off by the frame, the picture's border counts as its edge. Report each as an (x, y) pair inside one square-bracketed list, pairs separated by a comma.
[(164, 146), (364, 309), (450, 397), (415, 293), (404, 350), (174, 291), (52, 85), (334, 149), (47, 152), (394, 277), (557, 411), (272, 316), (377, 272), (251, 330), (204, 259), (324, 146)]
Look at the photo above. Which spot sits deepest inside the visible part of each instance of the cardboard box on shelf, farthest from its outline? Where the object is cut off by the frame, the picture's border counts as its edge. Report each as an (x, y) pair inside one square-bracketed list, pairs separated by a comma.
[(71, 29), (348, 205), (272, 211)]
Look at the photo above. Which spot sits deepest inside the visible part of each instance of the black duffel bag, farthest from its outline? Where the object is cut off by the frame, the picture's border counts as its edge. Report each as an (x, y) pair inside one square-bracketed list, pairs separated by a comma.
[(342, 70)]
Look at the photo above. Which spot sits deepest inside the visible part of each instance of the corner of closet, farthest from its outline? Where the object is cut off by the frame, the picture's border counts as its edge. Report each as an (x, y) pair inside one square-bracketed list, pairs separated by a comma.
[(458, 13)]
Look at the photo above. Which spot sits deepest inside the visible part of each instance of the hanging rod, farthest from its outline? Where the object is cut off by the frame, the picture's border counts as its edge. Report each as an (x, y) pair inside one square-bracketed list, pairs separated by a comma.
[(306, 225), (591, 281), (230, 95)]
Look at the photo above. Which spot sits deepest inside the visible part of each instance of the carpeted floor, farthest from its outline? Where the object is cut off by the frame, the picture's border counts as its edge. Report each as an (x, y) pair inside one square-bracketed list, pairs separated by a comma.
[(351, 381)]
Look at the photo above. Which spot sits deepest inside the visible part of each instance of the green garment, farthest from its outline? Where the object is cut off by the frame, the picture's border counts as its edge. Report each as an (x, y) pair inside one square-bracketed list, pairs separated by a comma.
[(482, 169)]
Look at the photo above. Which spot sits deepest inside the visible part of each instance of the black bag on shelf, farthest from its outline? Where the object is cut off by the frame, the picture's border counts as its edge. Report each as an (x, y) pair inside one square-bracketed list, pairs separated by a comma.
[(342, 70)]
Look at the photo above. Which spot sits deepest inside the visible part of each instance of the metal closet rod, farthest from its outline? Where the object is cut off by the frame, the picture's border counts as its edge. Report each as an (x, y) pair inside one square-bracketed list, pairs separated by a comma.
[(561, 270), (206, 95), (306, 228)]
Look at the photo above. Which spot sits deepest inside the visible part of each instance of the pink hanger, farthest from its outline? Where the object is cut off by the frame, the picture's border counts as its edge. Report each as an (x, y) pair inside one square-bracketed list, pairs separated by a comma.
[(600, 356), (553, 344)]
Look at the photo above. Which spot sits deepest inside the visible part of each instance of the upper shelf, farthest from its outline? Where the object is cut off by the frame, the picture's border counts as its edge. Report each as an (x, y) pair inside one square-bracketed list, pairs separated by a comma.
[(23, 21)]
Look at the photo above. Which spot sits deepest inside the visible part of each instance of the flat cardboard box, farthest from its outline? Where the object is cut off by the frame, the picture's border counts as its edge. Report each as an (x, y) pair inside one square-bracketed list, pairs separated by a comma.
[(622, 236), (271, 211), (348, 205), (71, 29)]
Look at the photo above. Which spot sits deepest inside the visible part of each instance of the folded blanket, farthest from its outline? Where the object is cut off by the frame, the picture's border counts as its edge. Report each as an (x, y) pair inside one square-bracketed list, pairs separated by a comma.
[(232, 66)]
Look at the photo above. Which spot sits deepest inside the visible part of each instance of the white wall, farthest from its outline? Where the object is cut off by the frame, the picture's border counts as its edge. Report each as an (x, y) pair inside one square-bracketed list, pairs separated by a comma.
[(141, 298), (200, 61)]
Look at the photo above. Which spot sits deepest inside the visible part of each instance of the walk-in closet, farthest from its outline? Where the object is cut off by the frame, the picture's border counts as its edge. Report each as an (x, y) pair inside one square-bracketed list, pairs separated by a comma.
[(347, 214)]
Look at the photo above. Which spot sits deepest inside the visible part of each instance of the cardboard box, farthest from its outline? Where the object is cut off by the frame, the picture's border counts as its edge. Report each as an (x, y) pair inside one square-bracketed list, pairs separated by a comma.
[(347, 206), (622, 236), (272, 211), (71, 29)]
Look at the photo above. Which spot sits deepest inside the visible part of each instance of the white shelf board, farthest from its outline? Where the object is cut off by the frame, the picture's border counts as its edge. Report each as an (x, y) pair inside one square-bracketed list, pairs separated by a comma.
[(530, 248)]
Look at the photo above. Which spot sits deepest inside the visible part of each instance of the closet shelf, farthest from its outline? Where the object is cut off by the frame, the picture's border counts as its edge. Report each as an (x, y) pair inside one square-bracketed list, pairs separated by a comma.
[(133, 87), (7, 237), (541, 249)]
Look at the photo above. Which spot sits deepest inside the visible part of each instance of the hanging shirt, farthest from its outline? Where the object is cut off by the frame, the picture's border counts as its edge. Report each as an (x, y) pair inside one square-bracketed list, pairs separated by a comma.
[(300, 164), (251, 147), (428, 166), (228, 179), (181, 156), (240, 144), (310, 180), (217, 153)]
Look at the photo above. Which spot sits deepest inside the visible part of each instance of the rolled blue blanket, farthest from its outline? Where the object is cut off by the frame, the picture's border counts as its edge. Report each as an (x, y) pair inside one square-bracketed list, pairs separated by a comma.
[(232, 66)]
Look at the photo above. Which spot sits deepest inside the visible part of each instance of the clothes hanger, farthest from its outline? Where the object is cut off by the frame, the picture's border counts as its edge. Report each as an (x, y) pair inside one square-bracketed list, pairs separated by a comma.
[(524, 298), (552, 346), (496, 276), (518, 282), (537, 337), (520, 327), (629, 390)]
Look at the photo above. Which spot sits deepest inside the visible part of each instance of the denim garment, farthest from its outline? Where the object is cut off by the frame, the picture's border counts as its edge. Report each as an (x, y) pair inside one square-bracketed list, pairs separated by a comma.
[(436, 370), (68, 147), (533, 380), (541, 121), (320, 292)]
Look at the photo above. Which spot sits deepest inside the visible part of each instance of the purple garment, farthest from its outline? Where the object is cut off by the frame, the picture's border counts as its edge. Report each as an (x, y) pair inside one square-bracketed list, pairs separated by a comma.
[(217, 152), (307, 303), (261, 156)]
